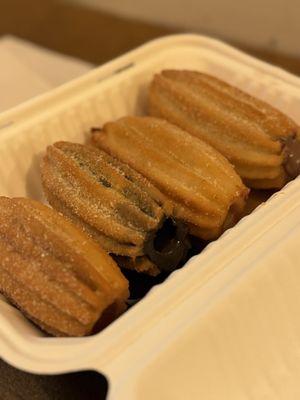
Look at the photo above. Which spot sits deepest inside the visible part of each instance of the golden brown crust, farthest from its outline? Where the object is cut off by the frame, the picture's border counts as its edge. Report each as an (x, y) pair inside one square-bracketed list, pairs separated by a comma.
[(111, 202), (198, 184), (244, 129), (52, 271)]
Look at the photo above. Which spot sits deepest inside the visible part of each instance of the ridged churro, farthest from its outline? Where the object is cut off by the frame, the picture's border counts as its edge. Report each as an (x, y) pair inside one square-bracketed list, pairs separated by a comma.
[(261, 142), (198, 185), (113, 203), (55, 273)]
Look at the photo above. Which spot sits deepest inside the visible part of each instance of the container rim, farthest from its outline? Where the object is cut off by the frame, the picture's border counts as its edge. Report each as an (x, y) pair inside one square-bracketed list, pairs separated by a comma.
[(27, 352)]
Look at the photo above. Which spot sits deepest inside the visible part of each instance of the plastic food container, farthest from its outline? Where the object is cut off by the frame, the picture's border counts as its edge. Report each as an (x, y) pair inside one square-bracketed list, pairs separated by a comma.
[(227, 325)]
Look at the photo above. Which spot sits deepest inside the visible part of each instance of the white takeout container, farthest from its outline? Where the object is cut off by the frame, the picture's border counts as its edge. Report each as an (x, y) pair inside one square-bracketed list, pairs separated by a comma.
[(227, 325)]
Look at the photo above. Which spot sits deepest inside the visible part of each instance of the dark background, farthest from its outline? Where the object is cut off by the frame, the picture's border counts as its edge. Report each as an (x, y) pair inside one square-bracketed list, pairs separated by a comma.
[(95, 37)]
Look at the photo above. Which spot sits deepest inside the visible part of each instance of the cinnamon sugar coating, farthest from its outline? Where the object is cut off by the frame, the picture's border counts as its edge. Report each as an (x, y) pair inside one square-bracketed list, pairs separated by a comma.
[(55, 273), (247, 131), (114, 204), (197, 184)]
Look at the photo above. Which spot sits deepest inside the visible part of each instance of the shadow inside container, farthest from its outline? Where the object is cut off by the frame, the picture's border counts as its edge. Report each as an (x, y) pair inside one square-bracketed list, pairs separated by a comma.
[(140, 284)]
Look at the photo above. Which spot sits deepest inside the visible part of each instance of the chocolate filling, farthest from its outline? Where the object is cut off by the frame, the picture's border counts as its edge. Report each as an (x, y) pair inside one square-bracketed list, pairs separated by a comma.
[(169, 245), (292, 156)]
